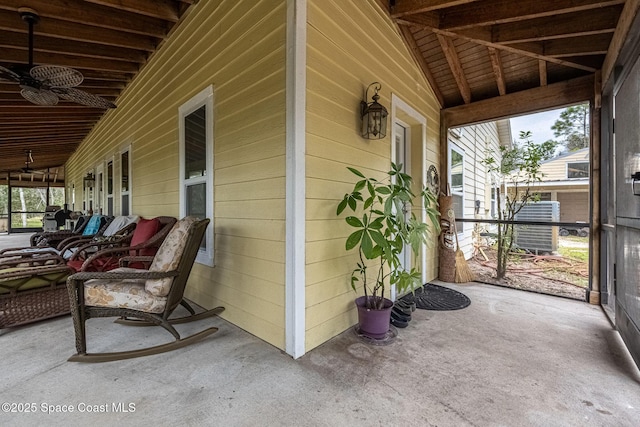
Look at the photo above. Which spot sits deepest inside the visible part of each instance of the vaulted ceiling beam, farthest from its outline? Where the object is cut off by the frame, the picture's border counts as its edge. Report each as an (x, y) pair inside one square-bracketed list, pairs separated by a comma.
[(542, 70), (542, 98), (506, 11), (588, 45), (629, 13), (412, 7), (481, 38), (456, 68), (558, 26), (498, 71)]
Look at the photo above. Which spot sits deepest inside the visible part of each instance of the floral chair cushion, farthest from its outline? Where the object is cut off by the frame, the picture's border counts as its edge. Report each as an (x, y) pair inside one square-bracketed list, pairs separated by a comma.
[(168, 256), (127, 293)]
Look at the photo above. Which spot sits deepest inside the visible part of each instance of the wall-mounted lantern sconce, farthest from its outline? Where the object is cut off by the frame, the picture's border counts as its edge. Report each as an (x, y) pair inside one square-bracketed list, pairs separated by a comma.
[(89, 180), (374, 115), (635, 183)]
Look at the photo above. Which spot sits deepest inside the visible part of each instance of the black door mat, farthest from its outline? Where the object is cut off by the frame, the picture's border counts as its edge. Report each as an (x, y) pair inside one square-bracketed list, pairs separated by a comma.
[(436, 297)]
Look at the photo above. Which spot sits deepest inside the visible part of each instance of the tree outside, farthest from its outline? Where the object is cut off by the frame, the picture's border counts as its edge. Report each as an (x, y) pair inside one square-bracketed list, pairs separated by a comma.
[(573, 127), (520, 166), (28, 204)]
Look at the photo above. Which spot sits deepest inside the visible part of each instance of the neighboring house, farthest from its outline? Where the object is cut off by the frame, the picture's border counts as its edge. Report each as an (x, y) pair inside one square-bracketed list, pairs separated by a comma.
[(472, 186), (566, 180), (249, 114)]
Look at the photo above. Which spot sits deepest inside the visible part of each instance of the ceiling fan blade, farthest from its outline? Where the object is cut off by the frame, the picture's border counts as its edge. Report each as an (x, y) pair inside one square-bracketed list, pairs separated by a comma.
[(7, 74), (82, 97), (57, 76), (39, 96)]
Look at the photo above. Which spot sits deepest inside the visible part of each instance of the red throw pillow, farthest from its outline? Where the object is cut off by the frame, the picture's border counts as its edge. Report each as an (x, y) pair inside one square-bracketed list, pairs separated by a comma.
[(145, 229)]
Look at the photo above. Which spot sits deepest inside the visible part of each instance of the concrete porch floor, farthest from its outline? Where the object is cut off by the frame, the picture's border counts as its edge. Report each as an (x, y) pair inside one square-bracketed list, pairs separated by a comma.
[(512, 358)]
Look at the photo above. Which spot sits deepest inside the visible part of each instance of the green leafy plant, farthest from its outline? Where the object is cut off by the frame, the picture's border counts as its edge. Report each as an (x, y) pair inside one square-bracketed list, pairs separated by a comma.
[(383, 231), (519, 165)]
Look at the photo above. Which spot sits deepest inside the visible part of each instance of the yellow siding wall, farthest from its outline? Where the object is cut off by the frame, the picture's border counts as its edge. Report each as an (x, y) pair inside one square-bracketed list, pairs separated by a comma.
[(239, 48), (556, 169), (350, 45)]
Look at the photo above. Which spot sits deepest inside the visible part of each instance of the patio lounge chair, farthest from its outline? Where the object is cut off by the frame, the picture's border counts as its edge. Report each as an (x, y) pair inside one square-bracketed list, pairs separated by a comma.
[(32, 291), (145, 241), (91, 226), (145, 296), (53, 238), (114, 231)]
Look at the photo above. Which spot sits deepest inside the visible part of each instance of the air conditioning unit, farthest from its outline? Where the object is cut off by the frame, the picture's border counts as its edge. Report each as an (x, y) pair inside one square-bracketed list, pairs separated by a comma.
[(538, 238)]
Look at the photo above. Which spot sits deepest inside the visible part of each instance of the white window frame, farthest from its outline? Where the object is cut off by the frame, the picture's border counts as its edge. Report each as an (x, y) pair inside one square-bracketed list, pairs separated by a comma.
[(457, 149), (126, 149), (205, 97)]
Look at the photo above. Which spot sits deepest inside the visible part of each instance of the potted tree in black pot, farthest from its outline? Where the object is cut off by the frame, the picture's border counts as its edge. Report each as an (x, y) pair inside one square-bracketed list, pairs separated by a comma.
[(382, 229)]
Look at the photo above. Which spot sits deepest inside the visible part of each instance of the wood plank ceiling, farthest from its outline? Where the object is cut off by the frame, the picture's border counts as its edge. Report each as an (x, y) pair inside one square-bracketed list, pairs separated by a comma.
[(108, 41), (471, 50)]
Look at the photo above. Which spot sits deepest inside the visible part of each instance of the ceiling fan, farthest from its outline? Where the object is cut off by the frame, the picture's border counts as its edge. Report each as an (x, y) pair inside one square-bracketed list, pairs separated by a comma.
[(45, 84), (27, 168)]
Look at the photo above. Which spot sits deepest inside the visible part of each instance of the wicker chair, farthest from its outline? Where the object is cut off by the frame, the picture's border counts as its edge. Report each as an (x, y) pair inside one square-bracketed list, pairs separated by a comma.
[(147, 297), (52, 238), (116, 231), (55, 241), (144, 241), (33, 289)]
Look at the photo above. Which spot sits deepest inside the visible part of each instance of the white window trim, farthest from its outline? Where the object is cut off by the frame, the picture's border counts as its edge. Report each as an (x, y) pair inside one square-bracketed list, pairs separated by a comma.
[(126, 149), (456, 148), (205, 97), (398, 107)]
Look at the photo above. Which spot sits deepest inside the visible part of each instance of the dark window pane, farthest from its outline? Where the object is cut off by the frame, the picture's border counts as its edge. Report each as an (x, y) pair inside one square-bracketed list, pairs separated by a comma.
[(578, 170), (125, 204), (125, 171), (197, 204), (457, 172), (110, 206), (110, 178), (195, 141)]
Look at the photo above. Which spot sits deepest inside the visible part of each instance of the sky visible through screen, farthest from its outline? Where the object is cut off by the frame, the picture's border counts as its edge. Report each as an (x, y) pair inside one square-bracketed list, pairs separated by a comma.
[(539, 124)]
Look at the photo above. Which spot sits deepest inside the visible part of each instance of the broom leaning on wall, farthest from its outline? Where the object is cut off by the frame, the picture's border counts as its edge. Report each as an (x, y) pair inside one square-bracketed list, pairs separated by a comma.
[(463, 273)]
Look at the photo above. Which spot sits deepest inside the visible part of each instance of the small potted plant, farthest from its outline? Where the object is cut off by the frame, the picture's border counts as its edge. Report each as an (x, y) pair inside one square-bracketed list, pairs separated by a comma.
[(382, 230)]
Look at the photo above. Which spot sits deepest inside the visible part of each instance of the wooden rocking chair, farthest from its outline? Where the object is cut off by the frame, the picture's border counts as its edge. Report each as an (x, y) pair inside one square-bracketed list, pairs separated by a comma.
[(142, 297)]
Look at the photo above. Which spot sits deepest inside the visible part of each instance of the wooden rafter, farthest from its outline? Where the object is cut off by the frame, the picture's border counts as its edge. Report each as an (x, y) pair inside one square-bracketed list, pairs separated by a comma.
[(412, 7), (496, 64), (542, 67), (456, 68)]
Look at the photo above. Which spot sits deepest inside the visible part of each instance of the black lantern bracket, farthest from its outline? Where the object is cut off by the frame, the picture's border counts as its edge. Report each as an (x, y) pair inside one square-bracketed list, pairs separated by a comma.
[(89, 180), (373, 115)]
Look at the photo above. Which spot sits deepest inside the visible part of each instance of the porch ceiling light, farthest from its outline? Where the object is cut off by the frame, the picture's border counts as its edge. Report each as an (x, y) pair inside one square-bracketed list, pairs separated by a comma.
[(89, 180), (635, 183), (374, 115)]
